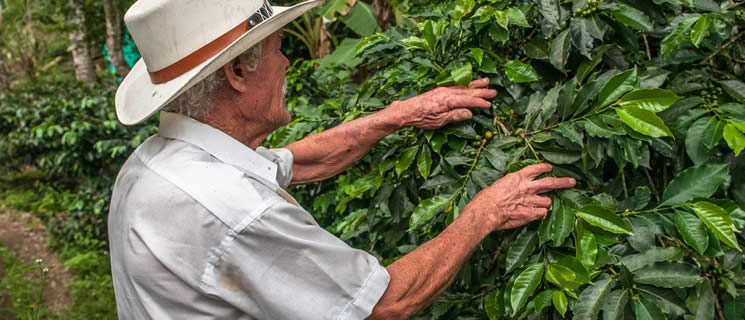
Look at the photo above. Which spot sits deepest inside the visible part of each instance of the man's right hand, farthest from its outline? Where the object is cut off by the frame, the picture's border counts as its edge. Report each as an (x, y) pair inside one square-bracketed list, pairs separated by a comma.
[(423, 274), (514, 200)]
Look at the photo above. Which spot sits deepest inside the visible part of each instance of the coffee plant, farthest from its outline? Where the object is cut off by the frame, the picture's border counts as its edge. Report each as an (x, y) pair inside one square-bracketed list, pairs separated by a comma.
[(68, 131), (641, 101)]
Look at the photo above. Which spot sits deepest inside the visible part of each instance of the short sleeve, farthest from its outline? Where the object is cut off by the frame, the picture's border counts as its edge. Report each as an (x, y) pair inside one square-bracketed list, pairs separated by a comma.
[(284, 265), (284, 159)]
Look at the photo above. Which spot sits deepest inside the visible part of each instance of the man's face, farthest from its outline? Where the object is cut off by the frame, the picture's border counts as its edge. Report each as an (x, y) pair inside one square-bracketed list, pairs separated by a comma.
[(270, 84)]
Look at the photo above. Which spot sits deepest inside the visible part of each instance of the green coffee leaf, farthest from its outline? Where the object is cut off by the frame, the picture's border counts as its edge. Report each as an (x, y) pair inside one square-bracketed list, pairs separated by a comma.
[(604, 218), (645, 309), (735, 88), (655, 254), (560, 302), (561, 223), (674, 39), (407, 157), (520, 250), (713, 133), (517, 17), (591, 299), (633, 17), (695, 147), (582, 38), (413, 43), (692, 230), (426, 210), (617, 87), (735, 138), (615, 305), (463, 75), (700, 30), (542, 300), (718, 221), (587, 247), (666, 299), (519, 72), (588, 65), (560, 46), (668, 275), (524, 286), (424, 161), (494, 305), (551, 12), (704, 301), (643, 121), (695, 182), (654, 100)]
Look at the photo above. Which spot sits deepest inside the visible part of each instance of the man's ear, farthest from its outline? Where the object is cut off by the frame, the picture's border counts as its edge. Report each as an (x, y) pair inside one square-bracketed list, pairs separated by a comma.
[(237, 74)]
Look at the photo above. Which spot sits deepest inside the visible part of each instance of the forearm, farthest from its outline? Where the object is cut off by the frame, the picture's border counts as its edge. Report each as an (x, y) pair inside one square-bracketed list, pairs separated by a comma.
[(323, 155), (421, 276)]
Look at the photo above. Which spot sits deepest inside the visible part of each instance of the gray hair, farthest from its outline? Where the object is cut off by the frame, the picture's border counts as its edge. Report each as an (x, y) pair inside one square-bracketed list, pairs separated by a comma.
[(197, 101)]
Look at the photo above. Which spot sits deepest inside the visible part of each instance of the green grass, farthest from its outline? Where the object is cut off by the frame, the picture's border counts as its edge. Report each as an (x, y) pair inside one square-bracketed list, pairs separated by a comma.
[(87, 259), (21, 288)]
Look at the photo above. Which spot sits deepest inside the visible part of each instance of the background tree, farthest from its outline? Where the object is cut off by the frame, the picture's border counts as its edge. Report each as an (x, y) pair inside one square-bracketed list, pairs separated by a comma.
[(114, 36), (4, 84), (85, 70)]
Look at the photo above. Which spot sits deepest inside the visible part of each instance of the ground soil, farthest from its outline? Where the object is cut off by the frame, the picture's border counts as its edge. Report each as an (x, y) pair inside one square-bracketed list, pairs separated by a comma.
[(26, 236)]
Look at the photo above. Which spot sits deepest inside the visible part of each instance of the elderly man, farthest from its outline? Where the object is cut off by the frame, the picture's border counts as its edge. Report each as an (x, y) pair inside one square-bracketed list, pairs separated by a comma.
[(200, 225)]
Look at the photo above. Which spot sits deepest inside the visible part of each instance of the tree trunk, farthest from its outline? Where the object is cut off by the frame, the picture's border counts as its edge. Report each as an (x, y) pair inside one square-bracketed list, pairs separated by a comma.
[(114, 36), (382, 12), (4, 83), (81, 53), (324, 43)]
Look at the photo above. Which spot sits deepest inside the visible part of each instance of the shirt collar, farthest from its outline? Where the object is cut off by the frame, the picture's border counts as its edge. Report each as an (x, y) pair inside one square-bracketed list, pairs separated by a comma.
[(217, 143)]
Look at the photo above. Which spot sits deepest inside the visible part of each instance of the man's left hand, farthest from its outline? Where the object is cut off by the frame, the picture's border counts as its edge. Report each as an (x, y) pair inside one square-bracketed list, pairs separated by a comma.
[(440, 106)]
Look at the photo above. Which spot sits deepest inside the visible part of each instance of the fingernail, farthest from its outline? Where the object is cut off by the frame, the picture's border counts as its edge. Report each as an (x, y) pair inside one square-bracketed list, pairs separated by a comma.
[(572, 180)]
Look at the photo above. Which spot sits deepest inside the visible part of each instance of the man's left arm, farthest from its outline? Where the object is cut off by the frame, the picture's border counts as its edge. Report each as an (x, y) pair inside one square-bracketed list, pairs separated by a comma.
[(324, 155)]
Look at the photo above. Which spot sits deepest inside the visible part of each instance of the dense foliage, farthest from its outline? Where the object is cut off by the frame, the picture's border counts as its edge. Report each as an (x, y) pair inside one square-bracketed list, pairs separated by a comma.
[(69, 131), (641, 101)]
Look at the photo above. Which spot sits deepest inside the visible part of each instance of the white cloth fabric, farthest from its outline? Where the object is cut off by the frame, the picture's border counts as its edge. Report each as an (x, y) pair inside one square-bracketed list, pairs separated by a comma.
[(201, 228)]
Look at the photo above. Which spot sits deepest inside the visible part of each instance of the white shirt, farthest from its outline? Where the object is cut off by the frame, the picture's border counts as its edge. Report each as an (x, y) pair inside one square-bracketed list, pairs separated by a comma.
[(201, 228)]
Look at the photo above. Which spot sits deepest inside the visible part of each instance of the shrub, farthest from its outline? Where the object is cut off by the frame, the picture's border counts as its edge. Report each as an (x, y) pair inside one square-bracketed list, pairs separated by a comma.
[(69, 132), (640, 101)]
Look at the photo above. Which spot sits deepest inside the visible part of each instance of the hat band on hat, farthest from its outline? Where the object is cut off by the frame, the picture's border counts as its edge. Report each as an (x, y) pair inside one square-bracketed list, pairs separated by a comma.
[(209, 50)]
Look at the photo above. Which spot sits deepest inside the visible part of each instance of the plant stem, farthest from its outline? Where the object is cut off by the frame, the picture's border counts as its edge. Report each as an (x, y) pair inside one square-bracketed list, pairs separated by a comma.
[(651, 185), (527, 142), (730, 42), (470, 169), (623, 183), (646, 44), (718, 306)]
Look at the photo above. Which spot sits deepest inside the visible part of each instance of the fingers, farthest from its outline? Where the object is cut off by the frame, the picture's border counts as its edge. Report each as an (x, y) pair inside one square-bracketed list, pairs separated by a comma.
[(538, 213), (458, 101), (532, 214), (535, 170), (459, 115), (538, 201), (550, 184), (480, 83), (481, 93)]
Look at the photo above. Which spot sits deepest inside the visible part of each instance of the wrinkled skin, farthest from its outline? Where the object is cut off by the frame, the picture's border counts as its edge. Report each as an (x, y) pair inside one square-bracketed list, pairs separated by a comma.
[(440, 106), (423, 274), (514, 200), (316, 161)]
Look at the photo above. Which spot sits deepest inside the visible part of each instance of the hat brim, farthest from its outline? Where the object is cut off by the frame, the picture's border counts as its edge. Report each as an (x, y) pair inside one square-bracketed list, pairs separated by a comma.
[(137, 98)]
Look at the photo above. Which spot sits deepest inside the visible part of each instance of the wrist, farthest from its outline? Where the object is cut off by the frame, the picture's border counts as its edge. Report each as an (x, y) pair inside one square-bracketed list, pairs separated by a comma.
[(484, 222), (393, 115)]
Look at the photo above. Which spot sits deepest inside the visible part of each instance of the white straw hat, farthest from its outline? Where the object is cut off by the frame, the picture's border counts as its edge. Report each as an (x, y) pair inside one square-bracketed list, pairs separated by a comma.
[(182, 42)]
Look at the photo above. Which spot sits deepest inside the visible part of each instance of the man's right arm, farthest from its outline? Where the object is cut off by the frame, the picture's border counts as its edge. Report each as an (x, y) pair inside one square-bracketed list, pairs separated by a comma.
[(418, 278)]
